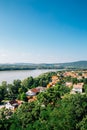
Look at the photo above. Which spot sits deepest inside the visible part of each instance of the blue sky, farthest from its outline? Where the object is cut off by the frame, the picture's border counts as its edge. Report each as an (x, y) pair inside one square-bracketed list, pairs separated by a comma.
[(43, 31)]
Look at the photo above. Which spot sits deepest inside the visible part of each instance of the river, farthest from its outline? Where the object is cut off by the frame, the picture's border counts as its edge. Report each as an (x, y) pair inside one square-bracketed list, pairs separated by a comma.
[(9, 76)]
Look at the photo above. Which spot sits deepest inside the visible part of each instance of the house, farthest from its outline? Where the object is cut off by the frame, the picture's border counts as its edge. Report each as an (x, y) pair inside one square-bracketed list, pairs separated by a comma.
[(35, 91), (55, 79), (84, 75), (32, 99), (70, 73), (13, 104), (78, 87), (41, 89), (79, 77), (50, 85), (68, 84), (30, 93)]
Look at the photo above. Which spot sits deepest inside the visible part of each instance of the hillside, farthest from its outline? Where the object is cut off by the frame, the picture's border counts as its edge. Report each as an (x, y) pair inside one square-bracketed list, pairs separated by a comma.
[(77, 64), (30, 66)]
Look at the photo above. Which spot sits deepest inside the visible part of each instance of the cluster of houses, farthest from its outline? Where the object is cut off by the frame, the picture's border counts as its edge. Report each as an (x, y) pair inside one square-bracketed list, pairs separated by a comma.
[(70, 73), (32, 93), (55, 79), (74, 74), (76, 88), (12, 105)]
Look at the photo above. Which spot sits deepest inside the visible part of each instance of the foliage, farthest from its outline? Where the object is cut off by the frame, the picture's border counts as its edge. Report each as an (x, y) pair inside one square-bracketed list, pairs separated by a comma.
[(83, 124), (54, 109), (23, 97)]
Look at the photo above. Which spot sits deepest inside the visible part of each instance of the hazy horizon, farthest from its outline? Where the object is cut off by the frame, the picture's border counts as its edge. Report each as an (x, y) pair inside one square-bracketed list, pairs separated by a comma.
[(43, 62), (43, 31)]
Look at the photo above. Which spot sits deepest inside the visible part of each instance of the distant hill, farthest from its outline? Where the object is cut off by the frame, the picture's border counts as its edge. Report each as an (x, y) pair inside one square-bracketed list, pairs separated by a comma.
[(31, 66), (77, 64)]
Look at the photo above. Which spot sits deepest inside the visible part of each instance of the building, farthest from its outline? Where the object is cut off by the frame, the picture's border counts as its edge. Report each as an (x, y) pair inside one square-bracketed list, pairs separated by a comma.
[(68, 84), (78, 87), (32, 99), (35, 91), (71, 74), (55, 79), (13, 104), (84, 75), (30, 93), (41, 89), (50, 85)]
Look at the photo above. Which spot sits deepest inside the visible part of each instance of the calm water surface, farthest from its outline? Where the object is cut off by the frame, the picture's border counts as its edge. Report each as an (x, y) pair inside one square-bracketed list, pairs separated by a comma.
[(9, 76)]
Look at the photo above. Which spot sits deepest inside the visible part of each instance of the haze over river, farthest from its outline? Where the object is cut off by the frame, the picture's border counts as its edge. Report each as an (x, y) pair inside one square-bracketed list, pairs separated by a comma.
[(9, 76)]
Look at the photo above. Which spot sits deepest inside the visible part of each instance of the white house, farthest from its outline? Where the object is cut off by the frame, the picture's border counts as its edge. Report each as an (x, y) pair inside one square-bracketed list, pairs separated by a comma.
[(9, 106), (78, 87), (30, 93), (41, 89), (34, 91)]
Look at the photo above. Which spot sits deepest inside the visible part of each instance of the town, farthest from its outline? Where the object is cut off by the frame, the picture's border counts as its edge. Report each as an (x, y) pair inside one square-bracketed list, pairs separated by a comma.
[(48, 97), (76, 81)]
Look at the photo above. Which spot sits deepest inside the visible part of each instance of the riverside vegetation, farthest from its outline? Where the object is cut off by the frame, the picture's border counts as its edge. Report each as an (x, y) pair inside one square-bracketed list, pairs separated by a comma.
[(30, 66), (54, 109)]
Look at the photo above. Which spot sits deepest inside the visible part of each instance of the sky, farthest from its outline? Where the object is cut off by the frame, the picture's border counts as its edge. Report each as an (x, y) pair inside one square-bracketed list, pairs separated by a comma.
[(43, 31)]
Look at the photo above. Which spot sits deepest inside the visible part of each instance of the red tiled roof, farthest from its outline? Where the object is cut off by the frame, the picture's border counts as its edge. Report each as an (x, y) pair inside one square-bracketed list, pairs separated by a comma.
[(35, 90)]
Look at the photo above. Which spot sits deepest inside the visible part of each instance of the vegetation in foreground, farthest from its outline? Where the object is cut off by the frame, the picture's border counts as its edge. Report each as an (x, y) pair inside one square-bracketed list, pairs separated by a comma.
[(54, 109)]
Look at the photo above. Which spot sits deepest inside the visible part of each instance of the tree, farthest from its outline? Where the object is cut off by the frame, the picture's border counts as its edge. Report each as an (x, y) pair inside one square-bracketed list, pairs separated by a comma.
[(10, 92), (27, 83), (17, 85), (5, 115), (24, 114), (71, 111), (23, 97), (50, 96), (75, 80), (83, 124), (1, 94), (62, 89), (85, 80), (85, 88), (4, 89), (22, 89)]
